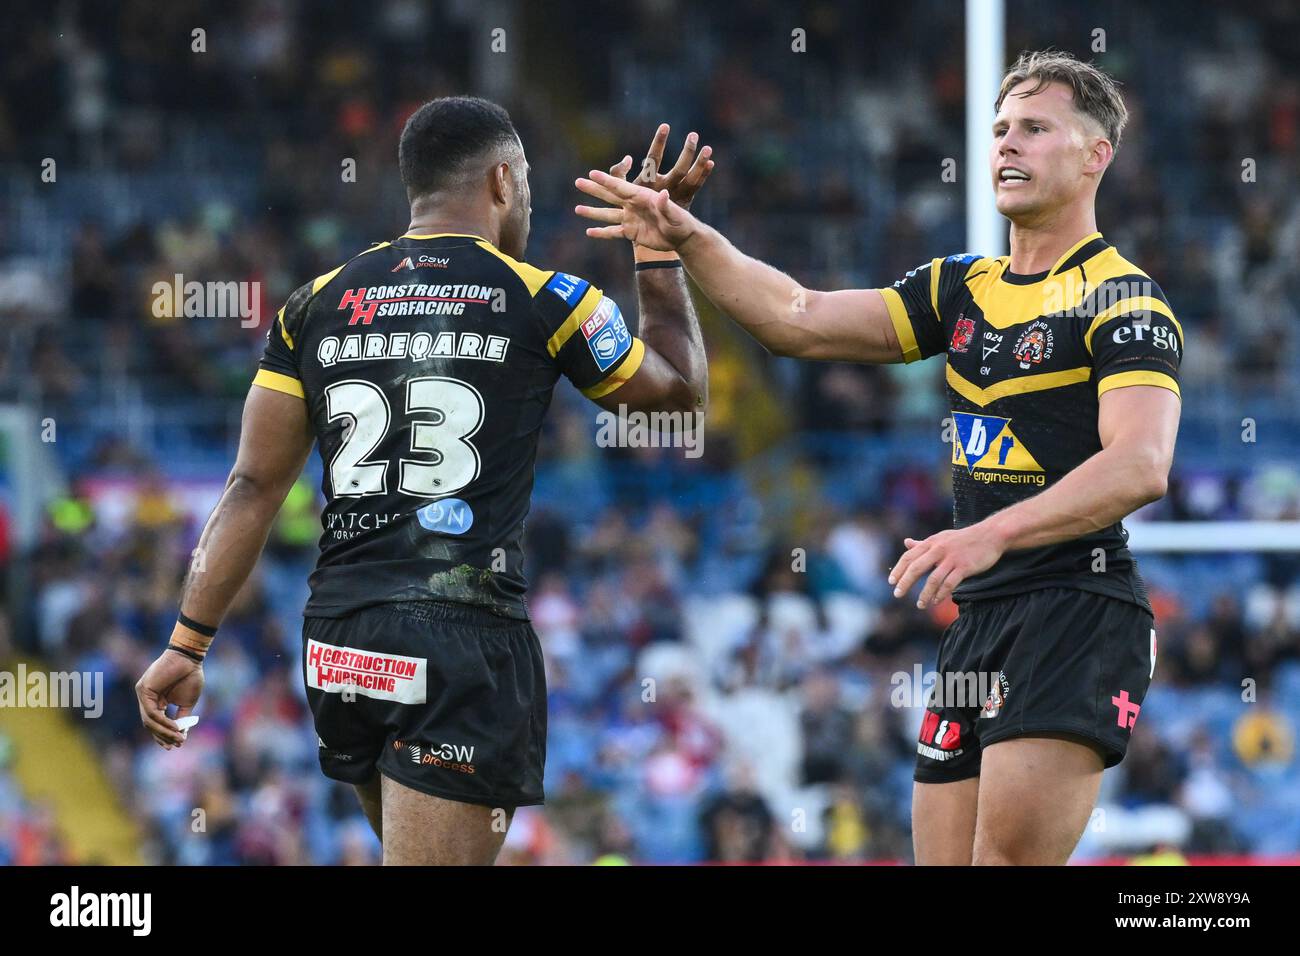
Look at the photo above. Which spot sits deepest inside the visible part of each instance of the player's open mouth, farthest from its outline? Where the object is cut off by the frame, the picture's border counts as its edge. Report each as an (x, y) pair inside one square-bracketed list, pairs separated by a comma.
[(1010, 176)]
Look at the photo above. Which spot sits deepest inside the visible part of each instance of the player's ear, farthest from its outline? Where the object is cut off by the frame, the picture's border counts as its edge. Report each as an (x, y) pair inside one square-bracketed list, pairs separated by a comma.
[(1099, 156), (500, 183)]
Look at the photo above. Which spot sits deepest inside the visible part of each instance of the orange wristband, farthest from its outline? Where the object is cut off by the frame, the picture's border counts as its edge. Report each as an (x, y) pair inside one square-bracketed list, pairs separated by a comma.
[(187, 638), (642, 254)]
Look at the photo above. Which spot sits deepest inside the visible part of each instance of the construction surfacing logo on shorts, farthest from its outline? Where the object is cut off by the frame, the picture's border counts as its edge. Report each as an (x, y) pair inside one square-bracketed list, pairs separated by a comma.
[(378, 676)]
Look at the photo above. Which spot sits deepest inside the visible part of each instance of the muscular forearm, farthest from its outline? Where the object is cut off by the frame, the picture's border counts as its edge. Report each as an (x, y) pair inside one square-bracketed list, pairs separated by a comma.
[(228, 549), (1107, 487), (762, 300), (670, 326)]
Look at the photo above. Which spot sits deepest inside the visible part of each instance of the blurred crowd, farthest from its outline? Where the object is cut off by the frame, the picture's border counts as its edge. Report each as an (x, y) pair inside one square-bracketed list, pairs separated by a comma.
[(720, 644)]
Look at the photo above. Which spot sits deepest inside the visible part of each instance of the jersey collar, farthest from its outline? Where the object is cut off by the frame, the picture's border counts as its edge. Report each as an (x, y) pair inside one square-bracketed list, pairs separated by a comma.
[(1075, 256), (443, 235)]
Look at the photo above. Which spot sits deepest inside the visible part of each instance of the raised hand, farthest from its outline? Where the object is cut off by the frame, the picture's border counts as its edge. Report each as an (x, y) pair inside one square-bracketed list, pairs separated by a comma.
[(642, 215), (688, 174), (678, 187)]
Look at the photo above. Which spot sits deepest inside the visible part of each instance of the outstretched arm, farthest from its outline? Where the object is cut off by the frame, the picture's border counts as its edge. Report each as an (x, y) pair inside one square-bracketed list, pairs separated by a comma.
[(786, 318), (274, 443)]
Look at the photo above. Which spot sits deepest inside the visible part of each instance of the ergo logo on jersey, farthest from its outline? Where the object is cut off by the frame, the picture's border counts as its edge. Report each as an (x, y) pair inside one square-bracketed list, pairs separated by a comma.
[(1162, 336)]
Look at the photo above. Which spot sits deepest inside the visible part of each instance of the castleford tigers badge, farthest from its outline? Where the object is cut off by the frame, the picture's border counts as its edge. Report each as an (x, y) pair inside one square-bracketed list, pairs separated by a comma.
[(1034, 347)]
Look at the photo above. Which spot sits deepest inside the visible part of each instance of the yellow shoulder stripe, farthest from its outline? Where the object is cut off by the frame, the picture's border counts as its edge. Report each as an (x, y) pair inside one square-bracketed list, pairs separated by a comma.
[(532, 277), (620, 375), (581, 312), (1137, 303), (1138, 377), (321, 281), (936, 266), (284, 333), (279, 382), (1015, 386), (902, 324)]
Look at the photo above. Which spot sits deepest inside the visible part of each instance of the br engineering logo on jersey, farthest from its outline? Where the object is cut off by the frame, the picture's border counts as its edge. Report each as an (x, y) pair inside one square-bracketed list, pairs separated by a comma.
[(606, 334), (987, 443)]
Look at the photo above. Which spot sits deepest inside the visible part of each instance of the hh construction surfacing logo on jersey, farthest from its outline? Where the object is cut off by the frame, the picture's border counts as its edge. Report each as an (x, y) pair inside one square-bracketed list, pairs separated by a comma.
[(371, 302), (990, 452)]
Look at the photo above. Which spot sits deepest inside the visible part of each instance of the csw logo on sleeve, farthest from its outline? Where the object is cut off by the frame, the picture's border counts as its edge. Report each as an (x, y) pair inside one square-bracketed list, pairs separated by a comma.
[(607, 334)]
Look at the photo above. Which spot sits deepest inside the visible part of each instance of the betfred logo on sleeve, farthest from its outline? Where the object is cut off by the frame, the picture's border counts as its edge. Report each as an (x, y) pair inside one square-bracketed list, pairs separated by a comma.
[(607, 334), (379, 676)]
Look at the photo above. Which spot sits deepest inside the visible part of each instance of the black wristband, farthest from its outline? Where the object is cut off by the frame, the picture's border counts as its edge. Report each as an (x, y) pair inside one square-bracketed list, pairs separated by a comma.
[(197, 658), (659, 264), (196, 626)]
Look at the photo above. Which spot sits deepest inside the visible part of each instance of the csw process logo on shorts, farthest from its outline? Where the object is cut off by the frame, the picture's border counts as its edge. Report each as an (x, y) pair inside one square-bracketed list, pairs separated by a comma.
[(457, 757), (987, 442)]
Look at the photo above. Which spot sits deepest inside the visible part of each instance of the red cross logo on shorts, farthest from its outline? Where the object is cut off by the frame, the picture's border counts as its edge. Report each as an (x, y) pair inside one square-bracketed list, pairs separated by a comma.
[(1128, 711)]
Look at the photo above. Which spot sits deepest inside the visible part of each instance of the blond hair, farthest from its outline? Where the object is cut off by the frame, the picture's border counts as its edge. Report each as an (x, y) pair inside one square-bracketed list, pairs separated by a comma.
[(1095, 93)]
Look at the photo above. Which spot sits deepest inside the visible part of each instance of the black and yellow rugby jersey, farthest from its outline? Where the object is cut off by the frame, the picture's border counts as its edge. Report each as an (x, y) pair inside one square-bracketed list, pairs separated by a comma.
[(427, 364), (1028, 358)]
